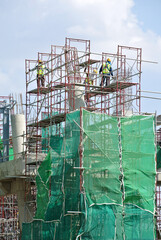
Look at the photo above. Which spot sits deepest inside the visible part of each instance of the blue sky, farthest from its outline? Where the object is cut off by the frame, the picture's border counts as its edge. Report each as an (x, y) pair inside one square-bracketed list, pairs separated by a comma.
[(148, 12), (31, 26)]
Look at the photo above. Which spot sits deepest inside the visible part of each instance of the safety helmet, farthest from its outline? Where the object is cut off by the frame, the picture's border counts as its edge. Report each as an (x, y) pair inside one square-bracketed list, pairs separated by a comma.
[(40, 61), (95, 71), (108, 60)]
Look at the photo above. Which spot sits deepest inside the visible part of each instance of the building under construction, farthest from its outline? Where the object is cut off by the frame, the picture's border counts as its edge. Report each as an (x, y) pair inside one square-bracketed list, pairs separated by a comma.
[(84, 160)]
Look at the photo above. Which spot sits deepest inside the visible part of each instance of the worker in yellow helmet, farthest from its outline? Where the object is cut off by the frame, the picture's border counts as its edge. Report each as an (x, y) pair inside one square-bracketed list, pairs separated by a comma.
[(40, 73), (106, 70), (90, 77)]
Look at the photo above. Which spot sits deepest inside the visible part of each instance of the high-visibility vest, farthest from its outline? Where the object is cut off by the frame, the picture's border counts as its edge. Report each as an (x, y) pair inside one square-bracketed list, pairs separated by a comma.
[(40, 69), (106, 68), (88, 81)]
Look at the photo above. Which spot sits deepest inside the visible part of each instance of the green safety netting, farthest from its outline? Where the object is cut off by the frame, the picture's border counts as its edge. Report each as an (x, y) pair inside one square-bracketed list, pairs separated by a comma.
[(98, 218), (114, 222), (101, 159), (42, 182), (97, 181), (138, 160), (158, 157), (49, 132), (38, 230), (11, 153), (138, 223)]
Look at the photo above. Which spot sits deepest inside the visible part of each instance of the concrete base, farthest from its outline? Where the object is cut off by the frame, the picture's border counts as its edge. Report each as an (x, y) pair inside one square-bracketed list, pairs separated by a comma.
[(16, 168), (14, 181)]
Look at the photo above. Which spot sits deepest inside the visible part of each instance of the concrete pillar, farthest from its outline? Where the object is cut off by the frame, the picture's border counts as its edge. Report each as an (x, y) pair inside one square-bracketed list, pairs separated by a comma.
[(5, 188), (18, 134), (76, 97), (18, 188)]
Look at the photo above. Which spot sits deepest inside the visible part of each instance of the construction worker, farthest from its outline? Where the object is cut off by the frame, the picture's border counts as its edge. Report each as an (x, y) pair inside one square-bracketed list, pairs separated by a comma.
[(90, 77), (93, 76), (40, 73), (89, 80), (106, 69)]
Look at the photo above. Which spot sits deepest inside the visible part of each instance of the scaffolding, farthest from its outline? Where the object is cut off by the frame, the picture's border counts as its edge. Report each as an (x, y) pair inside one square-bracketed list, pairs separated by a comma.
[(69, 70), (73, 86), (66, 88), (9, 220), (4, 100)]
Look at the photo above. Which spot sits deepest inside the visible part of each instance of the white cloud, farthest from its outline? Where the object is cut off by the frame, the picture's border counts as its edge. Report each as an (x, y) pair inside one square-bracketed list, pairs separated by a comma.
[(88, 30), (83, 3), (109, 23)]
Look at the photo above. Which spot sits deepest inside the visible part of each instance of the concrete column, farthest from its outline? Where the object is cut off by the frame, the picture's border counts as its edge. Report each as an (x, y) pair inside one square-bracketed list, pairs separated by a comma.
[(18, 134), (18, 188), (76, 97)]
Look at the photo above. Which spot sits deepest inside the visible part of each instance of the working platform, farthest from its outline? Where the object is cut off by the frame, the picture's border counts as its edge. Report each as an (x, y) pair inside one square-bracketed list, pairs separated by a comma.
[(111, 88), (89, 62), (45, 90), (58, 118)]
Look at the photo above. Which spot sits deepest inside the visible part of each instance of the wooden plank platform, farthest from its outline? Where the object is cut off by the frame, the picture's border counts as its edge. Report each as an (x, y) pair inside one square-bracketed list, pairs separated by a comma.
[(86, 63), (56, 119), (121, 85), (110, 88), (49, 121), (91, 109), (45, 90), (96, 89)]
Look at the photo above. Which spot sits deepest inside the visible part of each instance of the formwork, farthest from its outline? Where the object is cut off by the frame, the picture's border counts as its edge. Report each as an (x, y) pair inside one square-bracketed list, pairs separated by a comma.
[(100, 150)]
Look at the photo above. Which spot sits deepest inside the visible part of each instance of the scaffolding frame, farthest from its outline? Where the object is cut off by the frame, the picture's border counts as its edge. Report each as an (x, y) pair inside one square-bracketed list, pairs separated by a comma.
[(66, 64), (66, 85), (9, 222), (69, 68)]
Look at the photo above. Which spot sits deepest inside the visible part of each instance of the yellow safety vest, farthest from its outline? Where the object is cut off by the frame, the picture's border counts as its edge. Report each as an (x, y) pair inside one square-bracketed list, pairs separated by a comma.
[(88, 81), (40, 69), (106, 68)]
